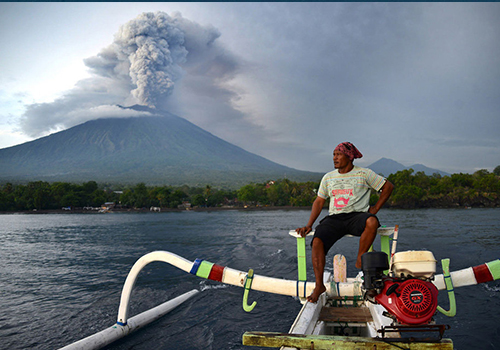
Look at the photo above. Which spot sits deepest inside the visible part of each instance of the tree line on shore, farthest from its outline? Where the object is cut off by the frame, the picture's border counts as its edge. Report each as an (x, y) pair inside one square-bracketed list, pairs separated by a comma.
[(481, 189), (412, 190)]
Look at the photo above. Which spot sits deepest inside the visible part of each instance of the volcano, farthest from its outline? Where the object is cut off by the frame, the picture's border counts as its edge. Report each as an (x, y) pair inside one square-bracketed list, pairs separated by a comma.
[(162, 149)]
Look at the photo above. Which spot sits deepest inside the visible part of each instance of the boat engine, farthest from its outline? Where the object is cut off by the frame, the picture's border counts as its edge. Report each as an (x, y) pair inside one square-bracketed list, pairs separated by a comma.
[(408, 293)]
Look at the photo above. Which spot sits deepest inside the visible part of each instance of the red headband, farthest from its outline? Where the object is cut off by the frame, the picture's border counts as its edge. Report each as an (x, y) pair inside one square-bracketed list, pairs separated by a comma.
[(349, 150)]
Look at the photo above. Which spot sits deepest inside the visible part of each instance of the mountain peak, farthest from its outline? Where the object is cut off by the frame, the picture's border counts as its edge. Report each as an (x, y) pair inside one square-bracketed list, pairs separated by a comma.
[(386, 166)]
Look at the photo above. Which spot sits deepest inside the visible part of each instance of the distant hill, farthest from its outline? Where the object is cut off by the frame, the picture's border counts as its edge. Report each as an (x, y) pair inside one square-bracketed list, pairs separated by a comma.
[(156, 150), (387, 166)]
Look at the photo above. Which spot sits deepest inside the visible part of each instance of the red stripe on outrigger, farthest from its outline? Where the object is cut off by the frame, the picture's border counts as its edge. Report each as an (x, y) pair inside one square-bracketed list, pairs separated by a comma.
[(216, 273), (482, 273)]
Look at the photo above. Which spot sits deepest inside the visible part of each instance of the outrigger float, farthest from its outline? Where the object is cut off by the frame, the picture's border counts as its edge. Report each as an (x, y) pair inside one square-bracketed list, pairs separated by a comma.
[(390, 304)]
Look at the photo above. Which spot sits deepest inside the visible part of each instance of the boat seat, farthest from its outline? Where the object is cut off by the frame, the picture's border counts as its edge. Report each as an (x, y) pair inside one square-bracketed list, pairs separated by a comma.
[(345, 314), (385, 240), (383, 231), (385, 234)]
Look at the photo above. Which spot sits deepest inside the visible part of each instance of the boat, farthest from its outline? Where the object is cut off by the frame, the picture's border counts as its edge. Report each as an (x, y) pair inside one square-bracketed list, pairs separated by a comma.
[(390, 304)]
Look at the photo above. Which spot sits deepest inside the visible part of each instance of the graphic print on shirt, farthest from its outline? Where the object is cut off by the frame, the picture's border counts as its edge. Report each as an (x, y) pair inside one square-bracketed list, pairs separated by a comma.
[(341, 196), (349, 192)]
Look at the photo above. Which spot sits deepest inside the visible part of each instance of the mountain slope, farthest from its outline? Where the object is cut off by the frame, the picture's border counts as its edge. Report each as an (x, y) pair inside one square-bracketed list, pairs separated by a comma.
[(162, 149), (387, 166)]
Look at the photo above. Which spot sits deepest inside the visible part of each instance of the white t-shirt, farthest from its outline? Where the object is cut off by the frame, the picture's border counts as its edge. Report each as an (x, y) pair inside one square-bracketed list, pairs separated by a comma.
[(350, 192)]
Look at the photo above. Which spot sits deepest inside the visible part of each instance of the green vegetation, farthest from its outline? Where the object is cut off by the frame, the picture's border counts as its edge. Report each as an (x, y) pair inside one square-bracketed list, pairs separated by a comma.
[(42, 195), (481, 189), (45, 196)]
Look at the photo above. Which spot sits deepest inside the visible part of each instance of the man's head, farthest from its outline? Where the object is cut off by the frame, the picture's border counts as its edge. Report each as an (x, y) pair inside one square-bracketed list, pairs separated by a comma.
[(344, 154), (349, 150)]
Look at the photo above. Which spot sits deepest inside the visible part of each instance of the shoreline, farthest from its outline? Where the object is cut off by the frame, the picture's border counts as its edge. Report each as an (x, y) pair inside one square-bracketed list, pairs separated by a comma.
[(145, 210), (207, 209)]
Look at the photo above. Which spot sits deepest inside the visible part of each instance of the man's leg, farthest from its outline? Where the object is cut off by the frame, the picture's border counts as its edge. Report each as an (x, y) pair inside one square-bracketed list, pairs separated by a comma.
[(318, 259), (367, 238)]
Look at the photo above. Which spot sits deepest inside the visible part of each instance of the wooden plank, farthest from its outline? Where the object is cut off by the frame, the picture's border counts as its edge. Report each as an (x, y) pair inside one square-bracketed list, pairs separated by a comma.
[(327, 342), (345, 314)]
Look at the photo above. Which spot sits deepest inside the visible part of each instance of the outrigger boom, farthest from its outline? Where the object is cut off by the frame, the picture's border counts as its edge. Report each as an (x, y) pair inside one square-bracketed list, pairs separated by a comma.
[(202, 268), (296, 288)]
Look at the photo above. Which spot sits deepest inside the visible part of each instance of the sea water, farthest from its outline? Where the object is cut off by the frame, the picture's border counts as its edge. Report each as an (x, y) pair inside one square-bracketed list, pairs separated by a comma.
[(61, 275)]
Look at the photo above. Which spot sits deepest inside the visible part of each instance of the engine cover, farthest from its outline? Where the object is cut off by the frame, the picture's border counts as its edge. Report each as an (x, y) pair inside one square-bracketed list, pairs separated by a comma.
[(412, 302)]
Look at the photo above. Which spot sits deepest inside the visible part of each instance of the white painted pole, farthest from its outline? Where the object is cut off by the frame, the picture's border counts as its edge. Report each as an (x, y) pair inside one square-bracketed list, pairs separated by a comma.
[(270, 284), (394, 244), (161, 256), (113, 333)]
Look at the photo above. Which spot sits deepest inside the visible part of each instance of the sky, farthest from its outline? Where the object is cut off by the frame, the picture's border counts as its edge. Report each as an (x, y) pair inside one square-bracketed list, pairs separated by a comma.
[(418, 83)]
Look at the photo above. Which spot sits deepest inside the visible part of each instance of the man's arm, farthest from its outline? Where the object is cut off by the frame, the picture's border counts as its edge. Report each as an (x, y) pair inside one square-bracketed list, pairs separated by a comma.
[(317, 207), (385, 193)]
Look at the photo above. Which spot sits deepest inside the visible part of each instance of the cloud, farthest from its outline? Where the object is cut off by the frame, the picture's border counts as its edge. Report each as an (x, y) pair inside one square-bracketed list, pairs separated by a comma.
[(146, 61), (42, 118)]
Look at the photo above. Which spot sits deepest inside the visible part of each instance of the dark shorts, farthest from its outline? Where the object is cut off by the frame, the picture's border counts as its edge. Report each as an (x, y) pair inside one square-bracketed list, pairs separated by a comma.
[(333, 227)]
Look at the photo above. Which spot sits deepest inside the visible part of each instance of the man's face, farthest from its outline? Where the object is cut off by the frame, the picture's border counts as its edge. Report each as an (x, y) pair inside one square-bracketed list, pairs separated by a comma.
[(340, 160)]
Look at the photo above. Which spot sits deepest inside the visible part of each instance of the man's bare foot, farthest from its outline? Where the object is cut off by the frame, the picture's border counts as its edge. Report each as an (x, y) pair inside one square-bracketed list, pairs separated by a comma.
[(318, 290)]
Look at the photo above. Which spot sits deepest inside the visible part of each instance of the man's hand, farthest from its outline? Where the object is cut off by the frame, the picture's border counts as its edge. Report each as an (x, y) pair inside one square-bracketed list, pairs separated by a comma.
[(303, 231), (373, 210), (317, 207), (385, 193)]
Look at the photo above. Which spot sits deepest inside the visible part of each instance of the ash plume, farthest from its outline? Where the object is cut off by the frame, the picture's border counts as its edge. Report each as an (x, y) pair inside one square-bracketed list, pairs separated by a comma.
[(147, 58), (150, 51)]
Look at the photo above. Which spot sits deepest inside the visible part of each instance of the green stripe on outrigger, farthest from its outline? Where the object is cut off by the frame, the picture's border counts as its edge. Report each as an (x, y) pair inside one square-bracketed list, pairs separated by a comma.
[(494, 267), (204, 269)]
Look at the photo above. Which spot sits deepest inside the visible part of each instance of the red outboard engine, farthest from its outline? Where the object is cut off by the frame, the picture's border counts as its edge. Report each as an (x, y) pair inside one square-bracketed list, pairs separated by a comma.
[(409, 296), (412, 301)]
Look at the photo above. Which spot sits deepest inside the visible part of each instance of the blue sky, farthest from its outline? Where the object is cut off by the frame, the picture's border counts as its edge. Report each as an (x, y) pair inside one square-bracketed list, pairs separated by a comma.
[(414, 82)]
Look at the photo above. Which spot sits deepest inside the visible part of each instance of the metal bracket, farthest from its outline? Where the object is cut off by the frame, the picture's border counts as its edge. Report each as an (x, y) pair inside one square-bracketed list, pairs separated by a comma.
[(439, 328), (248, 286), (445, 263)]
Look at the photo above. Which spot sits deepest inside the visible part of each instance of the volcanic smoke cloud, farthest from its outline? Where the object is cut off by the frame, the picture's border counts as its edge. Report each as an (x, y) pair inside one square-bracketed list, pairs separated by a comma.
[(149, 50), (148, 56)]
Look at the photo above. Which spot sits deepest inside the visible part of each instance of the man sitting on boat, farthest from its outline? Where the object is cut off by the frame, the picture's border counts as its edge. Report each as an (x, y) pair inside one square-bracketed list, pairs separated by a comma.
[(348, 187)]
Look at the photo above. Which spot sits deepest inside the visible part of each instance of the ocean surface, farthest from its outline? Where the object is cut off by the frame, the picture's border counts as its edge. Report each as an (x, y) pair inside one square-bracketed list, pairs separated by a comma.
[(61, 275)]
